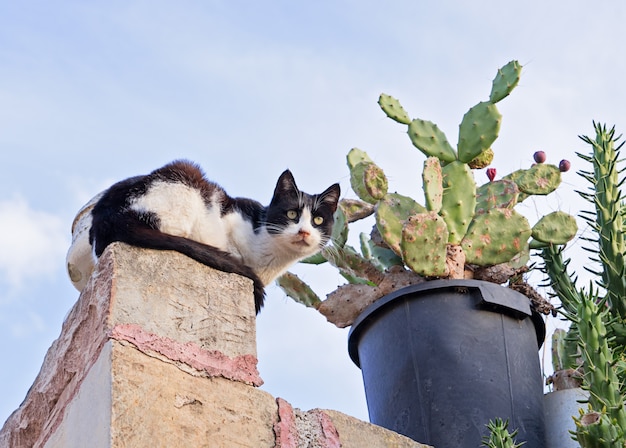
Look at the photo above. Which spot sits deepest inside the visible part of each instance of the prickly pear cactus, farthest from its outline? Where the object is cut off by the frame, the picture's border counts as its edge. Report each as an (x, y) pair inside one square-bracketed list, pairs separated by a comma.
[(459, 223), (501, 235)]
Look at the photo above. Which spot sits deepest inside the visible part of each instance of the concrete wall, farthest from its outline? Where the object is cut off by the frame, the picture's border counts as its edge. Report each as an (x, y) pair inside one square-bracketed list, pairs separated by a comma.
[(161, 351)]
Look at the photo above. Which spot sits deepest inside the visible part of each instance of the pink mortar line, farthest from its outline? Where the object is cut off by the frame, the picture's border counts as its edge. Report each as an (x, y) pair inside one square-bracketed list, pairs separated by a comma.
[(286, 431), (213, 362)]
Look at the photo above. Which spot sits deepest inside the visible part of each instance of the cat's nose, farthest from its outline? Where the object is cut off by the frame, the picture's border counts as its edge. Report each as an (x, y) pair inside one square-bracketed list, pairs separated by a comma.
[(303, 233)]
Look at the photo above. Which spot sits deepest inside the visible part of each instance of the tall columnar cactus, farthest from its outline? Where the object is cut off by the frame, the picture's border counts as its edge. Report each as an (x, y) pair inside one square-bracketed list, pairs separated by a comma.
[(459, 224), (604, 423), (598, 313), (610, 213)]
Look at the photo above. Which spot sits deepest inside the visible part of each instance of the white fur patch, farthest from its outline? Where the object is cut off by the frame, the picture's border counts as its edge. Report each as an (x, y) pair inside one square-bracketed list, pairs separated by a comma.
[(183, 212)]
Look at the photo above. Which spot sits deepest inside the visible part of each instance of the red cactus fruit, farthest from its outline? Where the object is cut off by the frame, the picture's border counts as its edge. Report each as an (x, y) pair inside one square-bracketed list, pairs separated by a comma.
[(564, 165), (491, 174), (539, 156)]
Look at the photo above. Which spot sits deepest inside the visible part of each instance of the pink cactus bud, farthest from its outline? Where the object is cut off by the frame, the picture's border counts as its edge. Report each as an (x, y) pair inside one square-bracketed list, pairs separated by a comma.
[(564, 165), (539, 156), (491, 174)]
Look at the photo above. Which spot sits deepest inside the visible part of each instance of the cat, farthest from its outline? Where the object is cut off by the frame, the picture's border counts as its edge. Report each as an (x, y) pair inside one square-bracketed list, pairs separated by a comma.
[(177, 208)]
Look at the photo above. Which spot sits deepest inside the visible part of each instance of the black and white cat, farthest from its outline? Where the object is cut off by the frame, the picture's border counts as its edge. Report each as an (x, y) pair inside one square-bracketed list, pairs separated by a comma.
[(176, 208)]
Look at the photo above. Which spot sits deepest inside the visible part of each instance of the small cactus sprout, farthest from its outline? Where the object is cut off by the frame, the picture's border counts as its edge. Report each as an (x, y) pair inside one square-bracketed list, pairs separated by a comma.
[(564, 166), (491, 174), (539, 156), (482, 160), (499, 435)]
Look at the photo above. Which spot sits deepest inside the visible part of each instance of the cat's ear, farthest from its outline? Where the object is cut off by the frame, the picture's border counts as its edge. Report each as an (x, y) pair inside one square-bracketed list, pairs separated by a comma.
[(286, 185), (286, 182), (330, 196)]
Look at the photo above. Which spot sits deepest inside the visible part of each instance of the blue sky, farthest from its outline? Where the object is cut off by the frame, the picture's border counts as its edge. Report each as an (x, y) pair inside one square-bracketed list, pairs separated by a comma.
[(93, 92)]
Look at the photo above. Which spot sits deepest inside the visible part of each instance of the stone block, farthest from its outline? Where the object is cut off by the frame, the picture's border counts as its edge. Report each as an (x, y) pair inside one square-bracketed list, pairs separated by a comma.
[(165, 304)]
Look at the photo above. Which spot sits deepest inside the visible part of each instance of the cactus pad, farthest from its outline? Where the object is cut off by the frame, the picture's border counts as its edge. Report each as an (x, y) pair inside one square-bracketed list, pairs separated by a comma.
[(429, 139), (298, 290), (368, 181), (540, 179), (393, 109), (505, 81), (423, 244), (478, 130), (432, 183), (495, 237), (555, 228), (356, 156), (339, 235), (459, 199), (393, 211), (498, 194)]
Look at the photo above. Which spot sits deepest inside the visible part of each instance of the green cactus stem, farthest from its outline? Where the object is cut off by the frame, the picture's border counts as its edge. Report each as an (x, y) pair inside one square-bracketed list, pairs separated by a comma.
[(499, 435), (599, 378), (609, 216), (393, 109), (505, 81), (598, 430), (564, 350)]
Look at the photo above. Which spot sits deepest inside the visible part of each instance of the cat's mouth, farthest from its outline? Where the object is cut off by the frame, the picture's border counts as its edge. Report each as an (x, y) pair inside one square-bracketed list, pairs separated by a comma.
[(301, 240)]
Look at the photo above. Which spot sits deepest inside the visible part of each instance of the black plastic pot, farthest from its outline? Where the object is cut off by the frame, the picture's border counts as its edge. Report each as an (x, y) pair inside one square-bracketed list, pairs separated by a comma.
[(442, 358)]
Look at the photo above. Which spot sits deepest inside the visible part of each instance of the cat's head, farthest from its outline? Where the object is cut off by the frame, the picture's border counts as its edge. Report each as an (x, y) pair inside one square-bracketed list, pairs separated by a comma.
[(302, 222)]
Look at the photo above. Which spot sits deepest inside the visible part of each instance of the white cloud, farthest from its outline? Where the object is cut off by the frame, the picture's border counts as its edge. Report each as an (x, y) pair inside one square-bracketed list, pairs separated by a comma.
[(31, 242)]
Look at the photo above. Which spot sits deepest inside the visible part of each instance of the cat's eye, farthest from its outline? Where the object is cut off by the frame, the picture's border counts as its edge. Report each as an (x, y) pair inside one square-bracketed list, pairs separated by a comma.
[(292, 214), (318, 220)]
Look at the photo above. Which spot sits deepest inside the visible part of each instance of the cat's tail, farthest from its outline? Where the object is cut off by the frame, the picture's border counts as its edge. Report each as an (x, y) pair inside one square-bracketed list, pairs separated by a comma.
[(208, 255)]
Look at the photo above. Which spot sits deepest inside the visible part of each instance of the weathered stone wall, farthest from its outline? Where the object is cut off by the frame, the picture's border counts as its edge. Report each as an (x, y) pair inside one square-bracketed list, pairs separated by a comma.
[(161, 351)]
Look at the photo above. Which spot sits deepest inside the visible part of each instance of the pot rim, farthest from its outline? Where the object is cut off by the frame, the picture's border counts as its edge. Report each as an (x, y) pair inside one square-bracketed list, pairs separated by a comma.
[(508, 303)]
